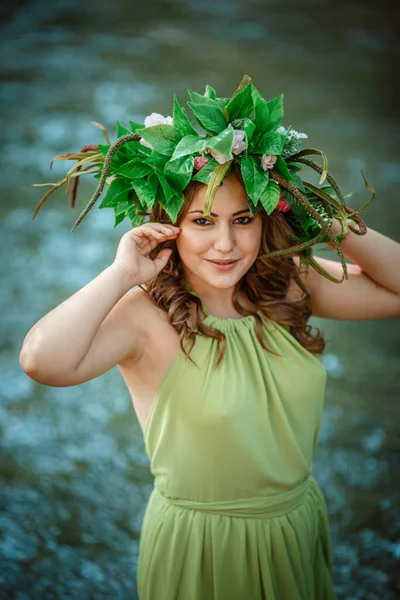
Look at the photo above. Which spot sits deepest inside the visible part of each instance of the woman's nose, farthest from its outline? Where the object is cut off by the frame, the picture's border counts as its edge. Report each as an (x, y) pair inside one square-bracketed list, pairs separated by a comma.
[(224, 240)]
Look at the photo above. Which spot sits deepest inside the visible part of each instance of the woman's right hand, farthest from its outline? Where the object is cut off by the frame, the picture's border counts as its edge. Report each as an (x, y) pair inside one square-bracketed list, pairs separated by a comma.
[(135, 246)]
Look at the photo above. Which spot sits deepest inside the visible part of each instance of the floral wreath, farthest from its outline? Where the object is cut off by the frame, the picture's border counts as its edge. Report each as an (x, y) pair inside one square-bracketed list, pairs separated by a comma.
[(155, 161)]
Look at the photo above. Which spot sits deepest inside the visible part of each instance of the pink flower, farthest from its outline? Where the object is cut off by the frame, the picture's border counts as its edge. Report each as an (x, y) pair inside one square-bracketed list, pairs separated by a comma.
[(144, 143), (268, 161), (282, 205), (110, 179), (155, 119), (238, 143), (200, 162), (221, 158), (238, 146)]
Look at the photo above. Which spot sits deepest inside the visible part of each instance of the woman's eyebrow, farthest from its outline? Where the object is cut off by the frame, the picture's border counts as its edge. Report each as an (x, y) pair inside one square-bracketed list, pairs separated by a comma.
[(239, 212)]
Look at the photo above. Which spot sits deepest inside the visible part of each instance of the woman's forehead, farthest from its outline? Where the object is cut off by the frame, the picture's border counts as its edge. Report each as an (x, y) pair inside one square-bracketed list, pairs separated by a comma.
[(230, 197)]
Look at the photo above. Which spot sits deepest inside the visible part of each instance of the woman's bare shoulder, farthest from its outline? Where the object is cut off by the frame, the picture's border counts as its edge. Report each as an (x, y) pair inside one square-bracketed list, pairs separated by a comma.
[(144, 314)]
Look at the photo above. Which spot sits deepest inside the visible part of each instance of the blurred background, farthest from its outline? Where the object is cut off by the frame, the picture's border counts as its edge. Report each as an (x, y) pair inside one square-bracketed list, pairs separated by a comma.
[(74, 475)]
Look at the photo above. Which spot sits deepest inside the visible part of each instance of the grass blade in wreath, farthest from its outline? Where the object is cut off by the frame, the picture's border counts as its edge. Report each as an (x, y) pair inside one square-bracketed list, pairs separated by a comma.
[(55, 186), (311, 210), (95, 158), (327, 197), (332, 182), (307, 151), (72, 156), (294, 249), (317, 267), (215, 181), (373, 192), (103, 129), (107, 163)]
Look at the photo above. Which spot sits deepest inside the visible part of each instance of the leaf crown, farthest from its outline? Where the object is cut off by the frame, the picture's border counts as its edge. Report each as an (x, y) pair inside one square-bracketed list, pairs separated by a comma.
[(155, 163)]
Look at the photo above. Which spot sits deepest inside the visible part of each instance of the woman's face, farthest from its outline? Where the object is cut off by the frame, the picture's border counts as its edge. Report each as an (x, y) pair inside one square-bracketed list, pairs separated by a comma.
[(218, 253)]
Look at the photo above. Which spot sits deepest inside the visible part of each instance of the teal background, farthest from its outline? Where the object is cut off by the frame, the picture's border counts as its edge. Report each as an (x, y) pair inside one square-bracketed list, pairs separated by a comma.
[(74, 476)]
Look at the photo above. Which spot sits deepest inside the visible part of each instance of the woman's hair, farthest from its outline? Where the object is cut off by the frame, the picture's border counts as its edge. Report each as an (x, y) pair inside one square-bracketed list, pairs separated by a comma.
[(265, 284)]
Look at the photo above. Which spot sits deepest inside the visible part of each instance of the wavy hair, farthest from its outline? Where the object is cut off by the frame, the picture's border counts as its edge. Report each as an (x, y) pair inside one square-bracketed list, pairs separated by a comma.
[(265, 285)]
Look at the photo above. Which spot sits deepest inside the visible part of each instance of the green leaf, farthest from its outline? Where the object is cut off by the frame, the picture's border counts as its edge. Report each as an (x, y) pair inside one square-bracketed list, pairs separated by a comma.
[(135, 126), (267, 117), (270, 197), (204, 175), (168, 190), (271, 143), (275, 112), (249, 128), (222, 143), (117, 190), (210, 92), (282, 168), (172, 206), (209, 115), (241, 105), (189, 145), (119, 217), (163, 138), (156, 160), (195, 96), (135, 148), (127, 209), (294, 204), (122, 130), (181, 120), (104, 148), (294, 166), (254, 177), (146, 189), (253, 208), (222, 102), (179, 172), (261, 114), (135, 219), (122, 155), (134, 169), (298, 182)]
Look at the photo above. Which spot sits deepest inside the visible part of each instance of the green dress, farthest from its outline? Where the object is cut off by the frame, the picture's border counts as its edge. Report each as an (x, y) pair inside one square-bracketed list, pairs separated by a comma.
[(235, 513)]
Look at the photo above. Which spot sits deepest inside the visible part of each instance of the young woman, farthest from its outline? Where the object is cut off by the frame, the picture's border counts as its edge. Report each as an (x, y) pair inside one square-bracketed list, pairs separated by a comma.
[(213, 344)]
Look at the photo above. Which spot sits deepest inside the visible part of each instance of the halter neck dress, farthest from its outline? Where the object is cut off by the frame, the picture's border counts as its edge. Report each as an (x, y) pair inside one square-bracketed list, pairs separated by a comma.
[(235, 513)]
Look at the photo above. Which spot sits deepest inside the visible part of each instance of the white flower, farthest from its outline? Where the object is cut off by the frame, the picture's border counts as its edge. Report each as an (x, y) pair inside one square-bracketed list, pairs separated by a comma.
[(155, 119), (292, 133)]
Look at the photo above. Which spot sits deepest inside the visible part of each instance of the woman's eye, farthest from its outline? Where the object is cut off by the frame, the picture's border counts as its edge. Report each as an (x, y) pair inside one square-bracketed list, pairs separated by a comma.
[(201, 221), (244, 220), (240, 221)]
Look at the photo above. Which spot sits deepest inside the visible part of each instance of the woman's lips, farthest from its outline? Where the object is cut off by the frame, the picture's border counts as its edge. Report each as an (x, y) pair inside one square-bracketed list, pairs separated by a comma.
[(223, 265)]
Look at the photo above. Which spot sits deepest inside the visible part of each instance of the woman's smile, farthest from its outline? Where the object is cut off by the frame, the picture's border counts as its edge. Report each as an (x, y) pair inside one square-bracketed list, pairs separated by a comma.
[(223, 265)]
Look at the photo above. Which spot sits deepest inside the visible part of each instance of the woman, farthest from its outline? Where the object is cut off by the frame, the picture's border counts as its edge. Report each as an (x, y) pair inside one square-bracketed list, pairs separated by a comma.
[(212, 341)]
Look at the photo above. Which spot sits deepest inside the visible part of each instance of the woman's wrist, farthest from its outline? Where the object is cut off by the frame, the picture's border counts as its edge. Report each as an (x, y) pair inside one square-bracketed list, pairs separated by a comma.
[(336, 228)]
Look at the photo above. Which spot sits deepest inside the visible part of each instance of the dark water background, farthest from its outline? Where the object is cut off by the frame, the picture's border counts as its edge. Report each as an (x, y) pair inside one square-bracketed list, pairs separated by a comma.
[(74, 476)]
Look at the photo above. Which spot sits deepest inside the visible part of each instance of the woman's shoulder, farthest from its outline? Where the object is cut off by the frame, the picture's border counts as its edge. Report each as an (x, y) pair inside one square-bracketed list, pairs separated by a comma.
[(146, 316)]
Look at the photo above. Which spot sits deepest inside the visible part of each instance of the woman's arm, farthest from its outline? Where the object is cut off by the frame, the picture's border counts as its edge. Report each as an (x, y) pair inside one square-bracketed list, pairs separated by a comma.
[(372, 290), (95, 322), (104, 323)]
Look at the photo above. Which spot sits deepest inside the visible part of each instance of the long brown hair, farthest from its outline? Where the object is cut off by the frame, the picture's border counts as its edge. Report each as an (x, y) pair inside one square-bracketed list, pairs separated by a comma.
[(265, 285)]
